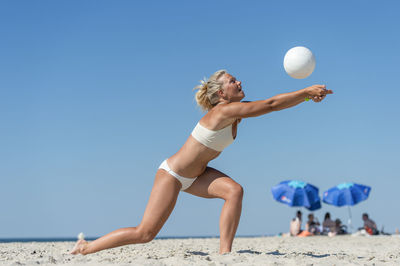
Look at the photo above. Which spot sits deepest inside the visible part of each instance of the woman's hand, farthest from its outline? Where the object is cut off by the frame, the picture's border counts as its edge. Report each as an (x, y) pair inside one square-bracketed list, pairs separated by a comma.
[(317, 92)]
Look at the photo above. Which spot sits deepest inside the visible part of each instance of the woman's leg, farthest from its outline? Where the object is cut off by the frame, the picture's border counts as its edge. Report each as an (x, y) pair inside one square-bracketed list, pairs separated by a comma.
[(215, 184), (160, 205)]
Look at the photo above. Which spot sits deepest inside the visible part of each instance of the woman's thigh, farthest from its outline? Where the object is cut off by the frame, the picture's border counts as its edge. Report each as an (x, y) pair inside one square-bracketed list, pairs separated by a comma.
[(212, 184), (161, 202)]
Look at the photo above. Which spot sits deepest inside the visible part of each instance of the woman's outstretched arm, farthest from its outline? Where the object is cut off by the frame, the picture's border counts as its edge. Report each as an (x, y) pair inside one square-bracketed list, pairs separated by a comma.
[(281, 101)]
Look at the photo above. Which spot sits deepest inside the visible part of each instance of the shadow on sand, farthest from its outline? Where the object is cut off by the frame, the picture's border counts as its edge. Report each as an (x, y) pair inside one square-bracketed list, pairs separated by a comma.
[(199, 253), (317, 256), (276, 253), (249, 251)]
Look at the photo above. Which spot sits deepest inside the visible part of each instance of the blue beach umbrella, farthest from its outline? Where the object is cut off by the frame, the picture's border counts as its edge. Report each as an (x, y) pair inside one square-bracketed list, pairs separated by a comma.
[(297, 194), (346, 194)]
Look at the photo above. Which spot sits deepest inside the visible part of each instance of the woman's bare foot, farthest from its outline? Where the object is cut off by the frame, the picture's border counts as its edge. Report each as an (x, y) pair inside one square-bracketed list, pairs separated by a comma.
[(79, 247)]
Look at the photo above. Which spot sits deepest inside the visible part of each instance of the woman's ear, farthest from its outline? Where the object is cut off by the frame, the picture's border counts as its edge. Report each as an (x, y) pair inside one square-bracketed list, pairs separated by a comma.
[(221, 93)]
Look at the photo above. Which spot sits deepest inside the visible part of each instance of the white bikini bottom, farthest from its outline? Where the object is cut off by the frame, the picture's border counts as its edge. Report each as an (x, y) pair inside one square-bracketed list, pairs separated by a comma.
[(185, 181)]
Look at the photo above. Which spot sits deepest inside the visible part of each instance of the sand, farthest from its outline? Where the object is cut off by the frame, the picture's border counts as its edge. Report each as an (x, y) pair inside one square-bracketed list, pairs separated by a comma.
[(317, 250)]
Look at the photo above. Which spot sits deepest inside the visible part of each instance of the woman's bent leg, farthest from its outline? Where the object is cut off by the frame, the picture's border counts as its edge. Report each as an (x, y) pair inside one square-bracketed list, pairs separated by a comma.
[(215, 184), (160, 205)]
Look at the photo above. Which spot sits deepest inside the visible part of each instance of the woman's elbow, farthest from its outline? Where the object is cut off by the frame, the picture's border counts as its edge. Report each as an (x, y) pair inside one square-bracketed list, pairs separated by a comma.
[(274, 108), (271, 108)]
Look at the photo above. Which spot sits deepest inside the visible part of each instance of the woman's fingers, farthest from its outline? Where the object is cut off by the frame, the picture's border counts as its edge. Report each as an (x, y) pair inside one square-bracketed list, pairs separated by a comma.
[(318, 98), (318, 92), (324, 92)]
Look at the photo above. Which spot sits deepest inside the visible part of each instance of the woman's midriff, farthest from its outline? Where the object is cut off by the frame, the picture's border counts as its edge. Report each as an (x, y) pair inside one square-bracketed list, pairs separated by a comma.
[(192, 159)]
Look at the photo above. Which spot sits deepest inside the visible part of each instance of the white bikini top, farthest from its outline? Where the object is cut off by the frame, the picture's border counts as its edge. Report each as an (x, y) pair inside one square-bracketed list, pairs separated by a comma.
[(216, 140)]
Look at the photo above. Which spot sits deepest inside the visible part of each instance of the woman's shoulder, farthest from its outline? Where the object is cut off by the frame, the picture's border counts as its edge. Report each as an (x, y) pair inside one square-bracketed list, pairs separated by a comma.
[(213, 120)]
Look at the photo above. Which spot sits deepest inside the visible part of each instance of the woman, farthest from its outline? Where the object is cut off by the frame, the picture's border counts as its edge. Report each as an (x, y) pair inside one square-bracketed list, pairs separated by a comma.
[(295, 224), (312, 226), (328, 226), (187, 169)]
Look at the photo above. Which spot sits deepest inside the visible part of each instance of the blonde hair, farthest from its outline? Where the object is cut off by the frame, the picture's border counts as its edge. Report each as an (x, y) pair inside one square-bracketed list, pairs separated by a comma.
[(207, 96)]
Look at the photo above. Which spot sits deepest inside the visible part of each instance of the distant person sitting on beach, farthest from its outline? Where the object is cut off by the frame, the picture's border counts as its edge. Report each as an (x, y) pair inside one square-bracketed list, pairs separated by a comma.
[(187, 170), (369, 225), (295, 224), (312, 225), (328, 225), (341, 229)]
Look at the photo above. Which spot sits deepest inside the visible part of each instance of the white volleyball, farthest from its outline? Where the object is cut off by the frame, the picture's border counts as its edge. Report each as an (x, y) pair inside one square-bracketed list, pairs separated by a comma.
[(299, 62)]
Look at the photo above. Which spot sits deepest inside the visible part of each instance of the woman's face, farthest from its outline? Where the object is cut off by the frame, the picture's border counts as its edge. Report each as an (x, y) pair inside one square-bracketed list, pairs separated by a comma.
[(231, 88)]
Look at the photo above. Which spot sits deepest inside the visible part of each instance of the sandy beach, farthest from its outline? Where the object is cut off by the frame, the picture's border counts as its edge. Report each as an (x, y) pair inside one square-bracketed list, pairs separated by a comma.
[(340, 250)]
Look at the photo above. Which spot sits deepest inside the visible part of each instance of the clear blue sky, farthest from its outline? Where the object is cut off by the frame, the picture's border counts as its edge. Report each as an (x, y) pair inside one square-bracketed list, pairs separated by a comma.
[(94, 95)]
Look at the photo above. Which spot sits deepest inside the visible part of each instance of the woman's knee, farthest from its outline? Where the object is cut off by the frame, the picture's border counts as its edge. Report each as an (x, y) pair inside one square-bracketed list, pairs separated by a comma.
[(234, 192), (146, 234)]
